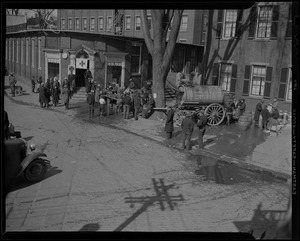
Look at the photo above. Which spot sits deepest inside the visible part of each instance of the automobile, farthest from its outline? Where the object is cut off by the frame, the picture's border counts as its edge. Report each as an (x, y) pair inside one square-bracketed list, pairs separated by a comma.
[(21, 159)]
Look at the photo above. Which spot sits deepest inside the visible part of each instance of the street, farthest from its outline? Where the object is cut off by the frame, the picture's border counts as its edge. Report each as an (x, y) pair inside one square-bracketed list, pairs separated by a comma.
[(105, 179)]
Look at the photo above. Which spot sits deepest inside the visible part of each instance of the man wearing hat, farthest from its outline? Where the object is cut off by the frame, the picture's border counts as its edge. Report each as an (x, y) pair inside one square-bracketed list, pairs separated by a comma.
[(201, 123), (66, 92), (169, 126)]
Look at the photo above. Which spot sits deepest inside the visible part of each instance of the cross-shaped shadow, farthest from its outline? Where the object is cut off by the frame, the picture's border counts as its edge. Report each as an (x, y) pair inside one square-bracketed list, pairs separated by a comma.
[(162, 196)]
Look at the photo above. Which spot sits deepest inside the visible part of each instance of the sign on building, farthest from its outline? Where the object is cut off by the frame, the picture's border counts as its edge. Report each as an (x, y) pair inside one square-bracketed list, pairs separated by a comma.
[(81, 63)]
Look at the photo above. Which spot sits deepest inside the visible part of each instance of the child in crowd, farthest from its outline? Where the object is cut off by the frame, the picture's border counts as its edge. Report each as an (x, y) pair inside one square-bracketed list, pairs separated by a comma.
[(102, 105)]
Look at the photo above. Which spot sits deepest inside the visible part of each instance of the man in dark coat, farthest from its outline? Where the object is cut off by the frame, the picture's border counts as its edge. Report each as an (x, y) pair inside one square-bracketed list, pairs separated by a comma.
[(265, 116), (201, 123), (87, 77), (258, 110), (55, 92), (91, 102), (12, 84), (136, 104), (71, 78), (42, 96), (187, 127), (169, 126), (33, 84), (126, 105)]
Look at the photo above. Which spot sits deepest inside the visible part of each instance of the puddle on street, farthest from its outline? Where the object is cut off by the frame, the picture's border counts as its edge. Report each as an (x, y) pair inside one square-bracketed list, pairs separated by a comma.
[(223, 172)]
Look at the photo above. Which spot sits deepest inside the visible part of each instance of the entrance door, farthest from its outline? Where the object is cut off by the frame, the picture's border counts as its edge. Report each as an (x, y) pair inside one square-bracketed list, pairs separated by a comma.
[(80, 82), (53, 70)]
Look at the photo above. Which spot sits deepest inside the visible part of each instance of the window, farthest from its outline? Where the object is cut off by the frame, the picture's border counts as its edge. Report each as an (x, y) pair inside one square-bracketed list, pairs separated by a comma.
[(127, 22), (39, 52), (109, 24), (27, 51), (77, 24), (136, 59), (92, 24), (225, 76), (22, 51), (70, 23), (230, 23), (183, 25), (100, 23), (84, 24), (63, 23), (289, 92), (149, 22), (32, 52), (258, 80), (137, 23), (264, 22), (193, 60)]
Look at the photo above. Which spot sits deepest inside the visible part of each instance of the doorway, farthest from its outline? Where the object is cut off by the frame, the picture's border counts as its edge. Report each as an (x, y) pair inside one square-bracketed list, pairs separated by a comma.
[(114, 74), (53, 70), (80, 82)]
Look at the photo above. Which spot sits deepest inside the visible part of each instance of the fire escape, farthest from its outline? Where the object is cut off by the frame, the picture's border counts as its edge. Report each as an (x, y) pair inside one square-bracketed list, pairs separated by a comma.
[(118, 22)]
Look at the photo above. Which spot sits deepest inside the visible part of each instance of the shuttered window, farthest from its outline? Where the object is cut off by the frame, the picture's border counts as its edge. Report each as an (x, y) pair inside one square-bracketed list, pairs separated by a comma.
[(215, 74), (233, 78), (285, 85), (267, 22), (230, 23), (219, 24), (252, 24), (247, 74), (225, 76)]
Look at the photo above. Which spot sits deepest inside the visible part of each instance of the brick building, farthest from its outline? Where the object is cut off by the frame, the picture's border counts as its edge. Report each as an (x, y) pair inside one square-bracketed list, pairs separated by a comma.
[(251, 52), (108, 42)]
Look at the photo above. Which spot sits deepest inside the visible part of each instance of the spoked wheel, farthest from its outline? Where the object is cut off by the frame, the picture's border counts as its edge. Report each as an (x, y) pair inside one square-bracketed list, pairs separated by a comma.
[(179, 116), (215, 114), (18, 91), (35, 171)]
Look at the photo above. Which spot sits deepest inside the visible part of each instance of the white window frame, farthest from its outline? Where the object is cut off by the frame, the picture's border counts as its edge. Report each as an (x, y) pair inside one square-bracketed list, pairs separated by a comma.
[(32, 52), (136, 24), (22, 51), (27, 51), (70, 24), (84, 24), (127, 17), (226, 82), (100, 26), (289, 89), (269, 23), (184, 25), (232, 23), (264, 81), (91, 24), (39, 53), (109, 23), (77, 24), (63, 24)]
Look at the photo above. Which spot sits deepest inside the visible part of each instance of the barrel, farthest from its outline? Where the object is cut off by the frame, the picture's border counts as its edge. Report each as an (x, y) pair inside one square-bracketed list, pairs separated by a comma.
[(244, 122), (202, 94)]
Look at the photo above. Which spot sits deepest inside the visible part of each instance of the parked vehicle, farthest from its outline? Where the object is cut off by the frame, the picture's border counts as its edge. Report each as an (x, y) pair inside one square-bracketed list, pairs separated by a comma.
[(21, 159)]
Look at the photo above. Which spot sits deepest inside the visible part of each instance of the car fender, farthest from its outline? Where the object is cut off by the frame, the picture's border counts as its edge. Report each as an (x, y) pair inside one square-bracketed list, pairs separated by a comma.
[(31, 157)]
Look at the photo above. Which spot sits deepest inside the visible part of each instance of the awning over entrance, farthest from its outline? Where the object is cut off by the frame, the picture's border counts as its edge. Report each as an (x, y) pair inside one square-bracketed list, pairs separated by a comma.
[(115, 57)]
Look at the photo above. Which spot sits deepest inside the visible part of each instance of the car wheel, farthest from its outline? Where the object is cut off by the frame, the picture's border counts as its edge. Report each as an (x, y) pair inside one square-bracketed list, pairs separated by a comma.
[(35, 171)]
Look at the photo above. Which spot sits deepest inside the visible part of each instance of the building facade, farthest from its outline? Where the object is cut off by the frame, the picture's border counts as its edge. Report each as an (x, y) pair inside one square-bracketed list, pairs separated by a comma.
[(108, 42), (251, 52)]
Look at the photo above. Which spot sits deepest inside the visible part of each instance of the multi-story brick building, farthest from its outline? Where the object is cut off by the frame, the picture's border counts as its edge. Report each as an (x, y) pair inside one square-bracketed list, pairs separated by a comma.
[(251, 52), (108, 42)]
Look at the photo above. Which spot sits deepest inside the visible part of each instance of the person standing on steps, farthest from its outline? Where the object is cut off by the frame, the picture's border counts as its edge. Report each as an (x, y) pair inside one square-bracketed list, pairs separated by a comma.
[(258, 110), (91, 102), (66, 92)]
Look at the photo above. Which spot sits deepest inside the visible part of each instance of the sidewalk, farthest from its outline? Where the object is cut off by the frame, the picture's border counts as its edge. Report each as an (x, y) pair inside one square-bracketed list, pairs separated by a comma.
[(251, 149)]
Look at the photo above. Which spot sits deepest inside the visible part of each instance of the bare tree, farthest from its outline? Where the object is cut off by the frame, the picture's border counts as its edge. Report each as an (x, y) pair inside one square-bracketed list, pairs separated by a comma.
[(44, 16), (12, 12), (160, 47)]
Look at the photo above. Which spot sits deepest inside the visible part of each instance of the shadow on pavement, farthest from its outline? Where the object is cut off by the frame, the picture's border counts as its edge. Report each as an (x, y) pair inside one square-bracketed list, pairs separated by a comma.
[(20, 183), (263, 224), (90, 227), (162, 197)]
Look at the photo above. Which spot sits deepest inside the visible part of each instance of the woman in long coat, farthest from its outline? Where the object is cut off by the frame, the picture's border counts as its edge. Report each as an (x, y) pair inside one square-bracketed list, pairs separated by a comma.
[(169, 127), (42, 96), (66, 92), (258, 110), (55, 92)]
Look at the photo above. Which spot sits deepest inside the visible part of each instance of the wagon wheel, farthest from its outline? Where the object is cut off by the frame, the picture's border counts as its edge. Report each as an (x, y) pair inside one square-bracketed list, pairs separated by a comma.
[(18, 91), (179, 116), (215, 114)]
